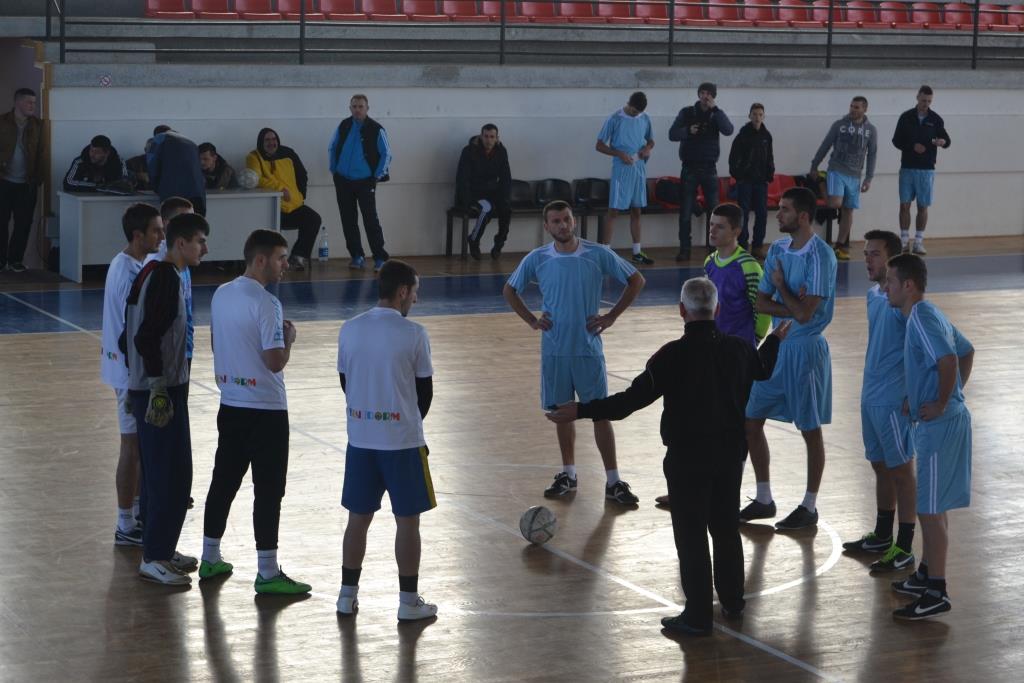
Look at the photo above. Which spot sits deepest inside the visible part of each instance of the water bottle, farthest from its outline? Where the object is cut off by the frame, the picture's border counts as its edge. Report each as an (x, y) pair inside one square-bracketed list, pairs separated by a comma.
[(322, 251)]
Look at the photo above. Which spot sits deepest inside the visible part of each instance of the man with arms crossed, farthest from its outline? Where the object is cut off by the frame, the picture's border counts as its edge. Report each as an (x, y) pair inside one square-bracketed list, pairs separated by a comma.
[(386, 375), (252, 343), (570, 273)]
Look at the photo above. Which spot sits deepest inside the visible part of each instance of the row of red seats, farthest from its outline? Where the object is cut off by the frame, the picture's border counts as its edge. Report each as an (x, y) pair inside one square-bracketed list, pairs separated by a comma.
[(726, 13)]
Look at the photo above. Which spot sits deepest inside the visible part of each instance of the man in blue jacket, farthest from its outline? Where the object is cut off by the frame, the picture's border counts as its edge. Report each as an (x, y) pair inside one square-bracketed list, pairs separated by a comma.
[(174, 170), (696, 129), (919, 134), (359, 156)]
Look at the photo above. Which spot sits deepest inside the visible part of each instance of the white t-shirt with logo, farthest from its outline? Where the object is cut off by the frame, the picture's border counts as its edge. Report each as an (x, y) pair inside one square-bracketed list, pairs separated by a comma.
[(381, 354), (120, 276), (246, 320)]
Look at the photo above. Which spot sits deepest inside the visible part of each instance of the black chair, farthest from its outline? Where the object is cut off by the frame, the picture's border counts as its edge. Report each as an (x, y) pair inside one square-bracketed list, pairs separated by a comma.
[(552, 189), (591, 194), (521, 196)]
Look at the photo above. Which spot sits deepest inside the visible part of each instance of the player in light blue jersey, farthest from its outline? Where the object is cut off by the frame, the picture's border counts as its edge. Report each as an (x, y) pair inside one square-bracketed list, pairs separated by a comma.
[(799, 283), (627, 137), (937, 360), (570, 273), (884, 424)]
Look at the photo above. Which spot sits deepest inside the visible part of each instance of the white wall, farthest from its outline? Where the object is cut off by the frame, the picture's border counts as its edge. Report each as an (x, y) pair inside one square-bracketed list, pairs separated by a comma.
[(551, 133)]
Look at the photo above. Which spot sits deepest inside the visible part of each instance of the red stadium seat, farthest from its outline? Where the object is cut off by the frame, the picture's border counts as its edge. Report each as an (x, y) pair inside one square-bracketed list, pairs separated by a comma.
[(797, 14), (958, 15), (492, 8), (341, 10), (778, 186), (212, 9), (897, 16), (383, 10), (423, 10), (762, 13), (167, 9), (652, 11), (727, 13), (542, 12), (579, 13), (1014, 19), (864, 15), (926, 13), (618, 12), (463, 11), (692, 14), (820, 13), (725, 185), (292, 10), (990, 16), (256, 10)]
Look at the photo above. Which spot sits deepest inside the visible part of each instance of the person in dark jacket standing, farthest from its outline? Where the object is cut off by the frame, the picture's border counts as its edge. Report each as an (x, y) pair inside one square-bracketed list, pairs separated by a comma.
[(696, 129), (359, 156), (174, 171), (752, 164), (22, 169), (482, 183), (705, 379), (98, 164), (919, 134)]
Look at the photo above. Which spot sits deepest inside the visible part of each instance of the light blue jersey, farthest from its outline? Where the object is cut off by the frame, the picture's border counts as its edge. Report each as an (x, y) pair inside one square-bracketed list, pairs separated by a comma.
[(811, 268), (626, 133), (884, 381), (930, 336), (570, 286)]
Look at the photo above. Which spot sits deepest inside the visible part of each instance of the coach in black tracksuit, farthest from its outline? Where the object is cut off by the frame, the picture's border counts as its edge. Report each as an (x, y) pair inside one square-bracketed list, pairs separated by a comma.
[(705, 379), (484, 174)]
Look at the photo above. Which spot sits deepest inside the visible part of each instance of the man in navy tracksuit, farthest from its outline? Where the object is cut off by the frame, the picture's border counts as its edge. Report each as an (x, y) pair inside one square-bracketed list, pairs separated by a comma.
[(174, 170), (919, 134), (696, 129)]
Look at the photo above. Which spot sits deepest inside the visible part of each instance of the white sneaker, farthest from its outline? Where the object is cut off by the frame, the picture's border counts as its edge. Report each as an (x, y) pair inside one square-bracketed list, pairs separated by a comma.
[(421, 609), (161, 571), (919, 249), (184, 563), (348, 604)]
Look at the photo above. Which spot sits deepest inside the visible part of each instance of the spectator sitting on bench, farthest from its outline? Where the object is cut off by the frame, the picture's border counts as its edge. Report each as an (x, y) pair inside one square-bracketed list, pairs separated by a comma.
[(138, 171), (98, 164), (217, 173), (482, 185)]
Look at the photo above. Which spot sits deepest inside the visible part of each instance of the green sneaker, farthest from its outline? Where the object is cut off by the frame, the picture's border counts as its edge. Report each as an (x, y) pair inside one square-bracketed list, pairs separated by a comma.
[(280, 585), (895, 559), (208, 570)]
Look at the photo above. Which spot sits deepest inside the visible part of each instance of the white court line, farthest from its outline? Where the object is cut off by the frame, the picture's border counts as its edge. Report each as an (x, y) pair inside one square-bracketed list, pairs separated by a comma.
[(51, 315)]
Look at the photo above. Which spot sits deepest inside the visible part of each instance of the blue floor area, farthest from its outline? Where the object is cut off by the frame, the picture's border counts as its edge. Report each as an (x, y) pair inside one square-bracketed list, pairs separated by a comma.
[(467, 294)]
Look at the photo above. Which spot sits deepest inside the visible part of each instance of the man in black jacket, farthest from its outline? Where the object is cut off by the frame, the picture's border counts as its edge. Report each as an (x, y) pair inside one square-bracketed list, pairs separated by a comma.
[(920, 133), (752, 164), (482, 184), (97, 165), (705, 379)]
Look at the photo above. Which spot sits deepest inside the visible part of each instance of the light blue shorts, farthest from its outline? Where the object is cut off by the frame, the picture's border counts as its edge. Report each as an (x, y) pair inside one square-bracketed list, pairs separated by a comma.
[(943, 463), (845, 186), (628, 186), (404, 474), (886, 432), (800, 388), (564, 378), (916, 183)]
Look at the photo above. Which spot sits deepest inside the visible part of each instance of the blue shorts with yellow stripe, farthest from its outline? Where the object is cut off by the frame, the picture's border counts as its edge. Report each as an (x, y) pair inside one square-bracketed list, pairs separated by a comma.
[(404, 474)]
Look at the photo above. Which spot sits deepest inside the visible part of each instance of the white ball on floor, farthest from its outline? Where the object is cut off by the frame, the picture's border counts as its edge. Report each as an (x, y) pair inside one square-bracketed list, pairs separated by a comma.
[(538, 525)]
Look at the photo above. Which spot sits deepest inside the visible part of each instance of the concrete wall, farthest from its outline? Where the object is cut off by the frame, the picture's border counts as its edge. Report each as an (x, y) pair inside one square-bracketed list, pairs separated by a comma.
[(550, 131)]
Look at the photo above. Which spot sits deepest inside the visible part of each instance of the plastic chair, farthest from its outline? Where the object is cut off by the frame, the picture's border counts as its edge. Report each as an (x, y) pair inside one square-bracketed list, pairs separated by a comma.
[(926, 13), (897, 16), (551, 189), (383, 10), (958, 15), (652, 12), (797, 14), (1014, 19), (692, 14), (762, 13), (423, 10), (212, 9), (341, 10), (541, 13), (819, 12), (580, 13), (492, 8), (463, 11), (591, 193), (618, 13), (520, 195), (292, 10), (990, 16), (728, 13), (256, 10), (167, 9)]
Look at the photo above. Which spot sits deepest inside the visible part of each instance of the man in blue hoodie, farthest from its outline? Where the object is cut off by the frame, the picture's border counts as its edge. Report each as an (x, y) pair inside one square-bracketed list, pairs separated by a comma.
[(696, 129), (174, 170)]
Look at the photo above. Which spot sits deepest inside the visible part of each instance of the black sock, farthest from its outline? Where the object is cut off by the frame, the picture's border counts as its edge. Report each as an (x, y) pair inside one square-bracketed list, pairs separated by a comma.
[(350, 577), (905, 536), (937, 586), (922, 571), (883, 523), (408, 584)]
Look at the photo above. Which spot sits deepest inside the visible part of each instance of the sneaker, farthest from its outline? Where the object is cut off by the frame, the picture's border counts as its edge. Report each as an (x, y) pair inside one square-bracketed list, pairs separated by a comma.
[(563, 484), (357, 263), (184, 563), (161, 571), (683, 255), (620, 493), (280, 585), (663, 501), (642, 259), (20, 267), (927, 606), (678, 625), (842, 252), (296, 263), (377, 263), (869, 543), (129, 538), (732, 612), (495, 253), (208, 570), (910, 586), (421, 609), (798, 519), (349, 604), (895, 559), (756, 510), (906, 247), (474, 248), (918, 249)]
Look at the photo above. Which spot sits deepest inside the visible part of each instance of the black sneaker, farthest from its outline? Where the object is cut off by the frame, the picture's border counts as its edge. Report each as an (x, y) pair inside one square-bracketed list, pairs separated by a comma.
[(131, 538), (495, 253), (17, 267), (757, 511), (868, 543), (732, 612), (925, 607), (474, 248), (798, 519), (683, 255), (895, 559), (677, 624), (911, 586), (620, 493), (563, 484), (642, 259)]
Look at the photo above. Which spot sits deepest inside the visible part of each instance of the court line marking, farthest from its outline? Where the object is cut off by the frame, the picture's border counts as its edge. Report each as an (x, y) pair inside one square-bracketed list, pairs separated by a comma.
[(50, 315)]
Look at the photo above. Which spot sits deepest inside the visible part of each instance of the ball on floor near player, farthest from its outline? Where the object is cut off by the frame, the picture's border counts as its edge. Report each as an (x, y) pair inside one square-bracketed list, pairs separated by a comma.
[(538, 525)]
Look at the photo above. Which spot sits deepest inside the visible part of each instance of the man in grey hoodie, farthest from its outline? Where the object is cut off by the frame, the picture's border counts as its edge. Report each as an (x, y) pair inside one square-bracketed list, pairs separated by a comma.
[(851, 139)]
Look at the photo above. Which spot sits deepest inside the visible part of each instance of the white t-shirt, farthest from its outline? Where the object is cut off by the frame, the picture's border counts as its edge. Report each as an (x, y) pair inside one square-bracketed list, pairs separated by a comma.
[(246, 320), (120, 276), (381, 354)]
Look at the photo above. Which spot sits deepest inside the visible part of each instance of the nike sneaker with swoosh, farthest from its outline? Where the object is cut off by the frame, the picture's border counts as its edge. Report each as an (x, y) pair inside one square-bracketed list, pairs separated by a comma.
[(895, 559), (912, 585), (869, 543), (928, 605), (161, 571)]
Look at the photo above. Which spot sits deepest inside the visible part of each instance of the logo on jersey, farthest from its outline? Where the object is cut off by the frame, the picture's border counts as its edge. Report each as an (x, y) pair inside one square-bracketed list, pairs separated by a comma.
[(374, 415), (240, 381)]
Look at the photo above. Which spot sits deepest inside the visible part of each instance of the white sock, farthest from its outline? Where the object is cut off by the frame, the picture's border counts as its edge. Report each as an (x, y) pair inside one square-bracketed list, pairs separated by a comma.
[(613, 476), (764, 492), (919, 238), (125, 519), (135, 507), (407, 597), (211, 550), (267, 562), (636, 248), (349, 591), (570, 470), (809, 500), (905, 236)]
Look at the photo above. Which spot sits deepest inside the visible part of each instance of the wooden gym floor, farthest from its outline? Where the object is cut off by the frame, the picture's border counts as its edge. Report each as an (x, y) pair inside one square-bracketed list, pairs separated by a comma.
[(583, 608)]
